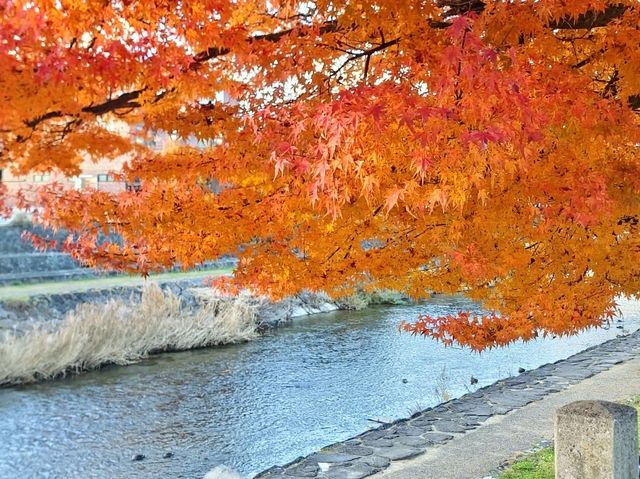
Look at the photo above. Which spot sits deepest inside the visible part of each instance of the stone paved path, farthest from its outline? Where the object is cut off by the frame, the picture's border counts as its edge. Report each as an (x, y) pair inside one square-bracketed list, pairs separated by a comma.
[(468, 437)]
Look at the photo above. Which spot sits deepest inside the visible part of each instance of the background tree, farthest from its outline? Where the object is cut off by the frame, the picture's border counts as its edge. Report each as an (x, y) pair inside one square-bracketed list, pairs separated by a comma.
[(484, 147)]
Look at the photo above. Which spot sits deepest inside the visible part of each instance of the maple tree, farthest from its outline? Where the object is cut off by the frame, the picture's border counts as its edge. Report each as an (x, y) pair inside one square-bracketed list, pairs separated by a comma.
[(476, 146)]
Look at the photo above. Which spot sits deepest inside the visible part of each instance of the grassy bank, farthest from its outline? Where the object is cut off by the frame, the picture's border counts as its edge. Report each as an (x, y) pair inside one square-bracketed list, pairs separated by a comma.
[(540, 465), (122, 332), (60, 287)]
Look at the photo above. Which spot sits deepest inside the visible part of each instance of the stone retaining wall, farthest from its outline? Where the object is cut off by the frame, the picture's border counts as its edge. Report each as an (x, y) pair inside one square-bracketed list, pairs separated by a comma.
[(20, 263), (15, 279), (32, 262), (11, 241)]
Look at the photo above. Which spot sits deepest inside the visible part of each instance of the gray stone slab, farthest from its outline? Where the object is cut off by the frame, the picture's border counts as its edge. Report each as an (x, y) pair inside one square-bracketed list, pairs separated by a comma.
[(355, 471), (553, 379), (501, 410), (468, 426), (518, 381), (568, 371), (480, 410), (331, 457), (436, 437), (406, 430), (422, 423), (448, 426), (374, 434), (513, 399), (477, 419), (413, 441), (374, 443), (399, 452), (350, 449), (304, 469), (356, 441), (376, 461), (272, 472)]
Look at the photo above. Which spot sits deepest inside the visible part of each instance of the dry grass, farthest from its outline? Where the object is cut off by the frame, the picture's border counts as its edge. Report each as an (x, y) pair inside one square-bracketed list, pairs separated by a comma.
[(120, 332)]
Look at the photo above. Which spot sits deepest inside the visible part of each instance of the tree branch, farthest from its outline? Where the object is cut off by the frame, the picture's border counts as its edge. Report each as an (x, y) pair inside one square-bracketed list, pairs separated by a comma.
[(126, 100), (213, 52), (587, 20), (129, 99), (590, 19)]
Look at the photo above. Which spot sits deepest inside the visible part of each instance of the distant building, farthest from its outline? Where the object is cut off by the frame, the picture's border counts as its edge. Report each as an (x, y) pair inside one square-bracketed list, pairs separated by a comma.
[(94, 174), (99, 174)]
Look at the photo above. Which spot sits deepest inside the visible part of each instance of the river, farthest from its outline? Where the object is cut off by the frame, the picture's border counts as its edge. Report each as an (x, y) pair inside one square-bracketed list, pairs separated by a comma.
[(256, 404)]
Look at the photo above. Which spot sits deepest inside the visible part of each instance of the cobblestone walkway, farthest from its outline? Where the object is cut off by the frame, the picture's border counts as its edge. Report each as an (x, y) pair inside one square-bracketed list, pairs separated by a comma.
[(375, 450)]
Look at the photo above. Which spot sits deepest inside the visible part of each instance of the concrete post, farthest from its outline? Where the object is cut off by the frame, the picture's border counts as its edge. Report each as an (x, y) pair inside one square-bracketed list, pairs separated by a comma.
[(596, 440)]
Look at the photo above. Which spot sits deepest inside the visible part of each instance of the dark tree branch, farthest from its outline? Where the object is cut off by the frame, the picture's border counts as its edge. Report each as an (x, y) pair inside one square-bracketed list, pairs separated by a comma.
[(461, 7), (126, 100), (587, 60), (611, 88), (587, 20), (590, 19), (213, 52), (364, 53), (39, 119)]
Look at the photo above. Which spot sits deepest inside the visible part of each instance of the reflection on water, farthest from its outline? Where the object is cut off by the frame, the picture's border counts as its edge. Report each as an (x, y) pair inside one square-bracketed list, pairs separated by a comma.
[(252, 405)]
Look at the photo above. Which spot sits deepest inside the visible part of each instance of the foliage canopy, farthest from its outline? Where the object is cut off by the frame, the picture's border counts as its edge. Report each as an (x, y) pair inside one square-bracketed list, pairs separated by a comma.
[(488, 147)]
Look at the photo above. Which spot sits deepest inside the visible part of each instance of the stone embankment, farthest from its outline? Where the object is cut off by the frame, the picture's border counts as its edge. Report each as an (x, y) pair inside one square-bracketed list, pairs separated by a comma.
[(374, 450), (26, 268), (20, 263)]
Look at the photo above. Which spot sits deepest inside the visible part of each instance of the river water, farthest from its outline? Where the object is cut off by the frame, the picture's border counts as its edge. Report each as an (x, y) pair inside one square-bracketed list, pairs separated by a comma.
[(256, 404)]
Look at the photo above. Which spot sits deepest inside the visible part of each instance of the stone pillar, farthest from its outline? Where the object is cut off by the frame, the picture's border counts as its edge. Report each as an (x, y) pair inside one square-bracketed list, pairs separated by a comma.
[(596, 440)]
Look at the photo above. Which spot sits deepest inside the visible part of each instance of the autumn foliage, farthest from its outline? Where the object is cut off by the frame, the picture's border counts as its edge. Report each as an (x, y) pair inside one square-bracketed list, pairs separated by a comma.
[(484, 147)]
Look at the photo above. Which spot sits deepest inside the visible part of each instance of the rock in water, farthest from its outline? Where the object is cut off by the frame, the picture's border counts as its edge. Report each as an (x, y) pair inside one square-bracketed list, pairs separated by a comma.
[(222, 472)]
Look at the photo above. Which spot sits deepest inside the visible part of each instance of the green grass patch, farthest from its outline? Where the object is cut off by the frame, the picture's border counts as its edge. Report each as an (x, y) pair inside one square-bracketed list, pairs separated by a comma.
[(27, 290), (540, 465), (536, 466)]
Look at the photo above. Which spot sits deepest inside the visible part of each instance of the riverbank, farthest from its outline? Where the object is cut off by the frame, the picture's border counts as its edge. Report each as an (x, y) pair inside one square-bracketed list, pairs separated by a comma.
[(468, 437), (49, 330), (73, 333)]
